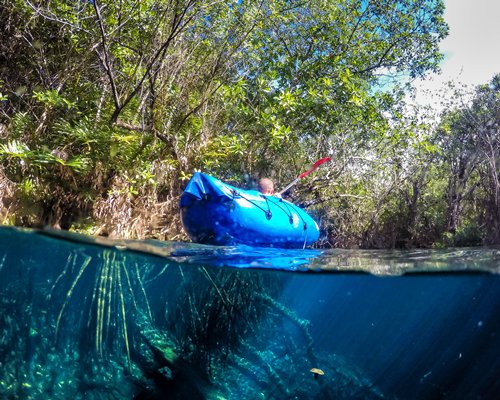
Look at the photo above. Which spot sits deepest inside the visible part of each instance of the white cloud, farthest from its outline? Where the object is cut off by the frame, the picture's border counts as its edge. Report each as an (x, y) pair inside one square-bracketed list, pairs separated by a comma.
[(472, 48), (474, 41)]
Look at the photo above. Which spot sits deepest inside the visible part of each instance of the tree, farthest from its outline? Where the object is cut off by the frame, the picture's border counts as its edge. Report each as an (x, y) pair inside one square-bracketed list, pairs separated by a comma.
[(484, 119), (469, 137), (314, 70), (132, 96)]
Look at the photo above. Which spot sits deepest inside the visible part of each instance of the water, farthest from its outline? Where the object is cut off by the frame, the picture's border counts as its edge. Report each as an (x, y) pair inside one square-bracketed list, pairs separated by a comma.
[(87, 318)]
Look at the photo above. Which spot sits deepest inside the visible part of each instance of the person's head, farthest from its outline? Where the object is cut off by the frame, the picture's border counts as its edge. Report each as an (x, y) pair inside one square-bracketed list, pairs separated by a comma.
[(266, 186)]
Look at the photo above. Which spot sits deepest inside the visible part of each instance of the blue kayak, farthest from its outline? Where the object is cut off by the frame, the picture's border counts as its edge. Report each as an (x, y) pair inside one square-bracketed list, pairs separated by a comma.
[(213, 212)]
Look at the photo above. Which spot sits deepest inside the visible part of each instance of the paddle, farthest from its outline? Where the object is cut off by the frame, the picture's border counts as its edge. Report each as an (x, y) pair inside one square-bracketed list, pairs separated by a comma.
[(304, 174)]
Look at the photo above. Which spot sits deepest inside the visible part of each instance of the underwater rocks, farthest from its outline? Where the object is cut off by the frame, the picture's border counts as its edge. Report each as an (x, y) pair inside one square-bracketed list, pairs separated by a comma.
[(266, 375)]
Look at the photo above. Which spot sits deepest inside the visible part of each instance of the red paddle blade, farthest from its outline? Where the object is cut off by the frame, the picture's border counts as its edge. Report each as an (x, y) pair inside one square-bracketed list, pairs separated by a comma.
[(314, 166)]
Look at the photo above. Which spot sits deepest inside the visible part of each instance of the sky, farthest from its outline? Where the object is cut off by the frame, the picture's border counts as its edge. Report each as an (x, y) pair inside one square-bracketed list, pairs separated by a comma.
[(472, 48)]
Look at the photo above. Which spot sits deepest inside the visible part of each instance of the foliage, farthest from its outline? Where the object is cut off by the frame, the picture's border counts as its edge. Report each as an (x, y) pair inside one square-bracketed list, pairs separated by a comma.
[(107, 109), (470, 139)]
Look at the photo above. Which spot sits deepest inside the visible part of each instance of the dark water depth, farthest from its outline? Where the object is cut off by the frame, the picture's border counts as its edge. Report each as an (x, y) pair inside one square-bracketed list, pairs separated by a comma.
[(88, 318)]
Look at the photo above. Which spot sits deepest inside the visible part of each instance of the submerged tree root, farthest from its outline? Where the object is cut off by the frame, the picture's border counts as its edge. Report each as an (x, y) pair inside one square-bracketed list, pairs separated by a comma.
[(112, 301), (300, 323)]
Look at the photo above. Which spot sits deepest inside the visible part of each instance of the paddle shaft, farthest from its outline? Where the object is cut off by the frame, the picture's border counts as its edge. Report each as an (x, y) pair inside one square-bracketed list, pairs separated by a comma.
[(304, 174)]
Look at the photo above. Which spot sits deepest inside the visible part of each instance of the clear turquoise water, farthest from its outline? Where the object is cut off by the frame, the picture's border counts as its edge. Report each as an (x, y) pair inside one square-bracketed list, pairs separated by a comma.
[(88, 318)]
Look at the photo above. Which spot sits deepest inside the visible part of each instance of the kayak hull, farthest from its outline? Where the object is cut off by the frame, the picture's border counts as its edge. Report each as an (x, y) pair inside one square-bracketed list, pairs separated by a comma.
[(213, 212)]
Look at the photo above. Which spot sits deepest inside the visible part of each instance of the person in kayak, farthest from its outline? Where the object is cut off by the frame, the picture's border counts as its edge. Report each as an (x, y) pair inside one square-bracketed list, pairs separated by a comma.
[(266, 187)]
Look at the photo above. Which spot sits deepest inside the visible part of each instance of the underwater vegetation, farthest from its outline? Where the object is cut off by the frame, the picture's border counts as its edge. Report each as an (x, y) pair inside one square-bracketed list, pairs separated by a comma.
[(88, 322)]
